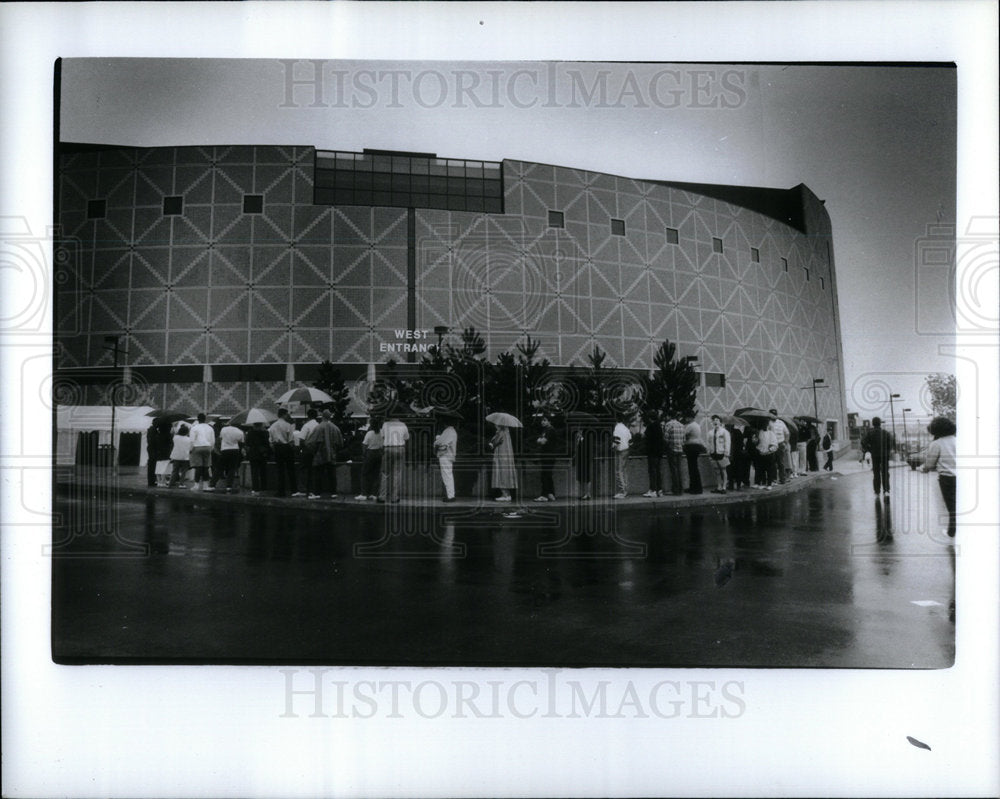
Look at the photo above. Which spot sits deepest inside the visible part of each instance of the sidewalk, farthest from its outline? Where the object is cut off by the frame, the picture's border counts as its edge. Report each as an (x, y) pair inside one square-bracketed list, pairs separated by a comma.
[(130, 485)]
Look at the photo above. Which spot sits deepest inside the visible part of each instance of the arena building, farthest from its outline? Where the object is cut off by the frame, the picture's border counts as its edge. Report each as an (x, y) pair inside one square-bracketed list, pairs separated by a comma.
[(228, 273)]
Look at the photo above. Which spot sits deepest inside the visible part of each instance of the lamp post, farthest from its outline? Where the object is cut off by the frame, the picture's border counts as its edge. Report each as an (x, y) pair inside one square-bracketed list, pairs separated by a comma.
[(111, 344), (692, 360), (906, 437), (892, 414), (815, 385)]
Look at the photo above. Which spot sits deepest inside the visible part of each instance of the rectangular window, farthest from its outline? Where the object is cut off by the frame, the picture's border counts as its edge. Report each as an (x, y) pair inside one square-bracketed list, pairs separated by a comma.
[(807, 273), (715, 380), (716, 245), (97, 209), (672, 237), (556, 219), (822, 283), (617, 227), (172, 206), (253, 203), (784, 264), (755, 255)]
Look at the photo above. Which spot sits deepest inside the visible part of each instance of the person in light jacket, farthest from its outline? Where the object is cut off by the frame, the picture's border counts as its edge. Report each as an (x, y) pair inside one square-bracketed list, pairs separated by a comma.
[(445, 447), (941, 457), (718, 450), (504, 477)]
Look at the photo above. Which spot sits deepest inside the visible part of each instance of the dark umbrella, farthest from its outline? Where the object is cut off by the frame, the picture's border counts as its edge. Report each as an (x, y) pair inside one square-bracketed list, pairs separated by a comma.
[(169, 417), (807, 419)]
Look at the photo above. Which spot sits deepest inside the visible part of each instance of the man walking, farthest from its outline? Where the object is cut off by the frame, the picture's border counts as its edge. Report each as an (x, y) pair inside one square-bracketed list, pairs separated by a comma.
[(878, 443), (281, 434), (202, 443), (673, 446)]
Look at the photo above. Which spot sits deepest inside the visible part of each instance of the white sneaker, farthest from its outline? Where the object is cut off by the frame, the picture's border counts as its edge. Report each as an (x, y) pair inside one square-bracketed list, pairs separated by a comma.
[(650, 494), (313, 496), (333, 496), (361, 497), (552, 497), (372, 498), (619, 496), (299, 494), (195, 487), (541, 499), (503, 499)]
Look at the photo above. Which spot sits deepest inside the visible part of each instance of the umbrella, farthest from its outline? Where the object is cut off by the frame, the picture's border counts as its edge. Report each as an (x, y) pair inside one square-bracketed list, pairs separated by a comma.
[(504, 420), (807, 419), (304, 394), (733, 420), (751, 413), (169, 417), (252, 416)]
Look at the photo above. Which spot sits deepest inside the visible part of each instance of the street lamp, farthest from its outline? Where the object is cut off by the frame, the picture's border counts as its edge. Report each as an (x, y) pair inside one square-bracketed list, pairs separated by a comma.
[(815, 385), (111, 344), (892, 414), (906, 437), (441, 331)]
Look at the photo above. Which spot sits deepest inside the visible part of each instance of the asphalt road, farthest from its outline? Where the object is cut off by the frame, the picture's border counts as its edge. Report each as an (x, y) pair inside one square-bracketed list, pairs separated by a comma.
[(826, 576)]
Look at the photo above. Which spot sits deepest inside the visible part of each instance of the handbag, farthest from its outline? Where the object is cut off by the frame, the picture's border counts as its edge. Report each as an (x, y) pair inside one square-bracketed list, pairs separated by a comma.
[(162, 468)]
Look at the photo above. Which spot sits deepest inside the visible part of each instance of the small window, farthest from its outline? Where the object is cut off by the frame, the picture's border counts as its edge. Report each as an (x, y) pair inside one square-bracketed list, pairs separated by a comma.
[(784, 264), (715, 380), (556, 219), (97, 209), (617, 227), (807, 273), (253, 203), (172, 206), (822, 283), (755, 255), (716, 245), (672, 237)]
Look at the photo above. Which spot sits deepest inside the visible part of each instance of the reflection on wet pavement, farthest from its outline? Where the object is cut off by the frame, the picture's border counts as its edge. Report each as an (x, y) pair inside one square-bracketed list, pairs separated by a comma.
[(823, 577)]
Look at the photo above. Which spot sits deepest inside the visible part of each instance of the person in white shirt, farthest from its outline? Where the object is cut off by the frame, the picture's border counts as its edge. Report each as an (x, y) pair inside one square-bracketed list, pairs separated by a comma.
[(180, 455), (621, 440), (719, 443), (782, 458), (371, 467), (307, 452), (445, 446), (941, 457), (694, 447), (767, 446), (202, 442), (281, 435), (231, 454), (394, 437)]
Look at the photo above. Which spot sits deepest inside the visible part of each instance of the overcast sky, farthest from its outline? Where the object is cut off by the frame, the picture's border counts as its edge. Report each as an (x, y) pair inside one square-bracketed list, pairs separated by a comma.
[(877, 144)]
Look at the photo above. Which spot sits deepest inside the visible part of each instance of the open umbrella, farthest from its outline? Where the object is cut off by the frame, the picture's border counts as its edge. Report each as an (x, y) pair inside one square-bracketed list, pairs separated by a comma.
[(733, 420), (751, 413), (253, 416), (168, 417), (504, 420), (304, 394), (806, 419)]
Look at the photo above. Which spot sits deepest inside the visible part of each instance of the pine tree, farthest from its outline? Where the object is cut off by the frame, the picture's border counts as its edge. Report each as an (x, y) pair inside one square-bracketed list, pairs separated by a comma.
[(329, 379), (673, 386)]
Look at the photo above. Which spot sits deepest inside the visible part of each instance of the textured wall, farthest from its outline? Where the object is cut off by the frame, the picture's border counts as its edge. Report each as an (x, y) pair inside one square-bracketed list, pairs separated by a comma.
[(214, 285)]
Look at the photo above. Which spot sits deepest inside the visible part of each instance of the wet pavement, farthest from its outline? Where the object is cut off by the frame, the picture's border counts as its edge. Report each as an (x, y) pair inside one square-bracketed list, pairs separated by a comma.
[(822, 574)]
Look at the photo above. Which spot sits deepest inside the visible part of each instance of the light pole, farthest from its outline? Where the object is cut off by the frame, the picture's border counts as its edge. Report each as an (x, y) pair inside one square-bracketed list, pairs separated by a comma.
[(692, 360), (111, 344), (906, 437), (815, 385), (892, 415)]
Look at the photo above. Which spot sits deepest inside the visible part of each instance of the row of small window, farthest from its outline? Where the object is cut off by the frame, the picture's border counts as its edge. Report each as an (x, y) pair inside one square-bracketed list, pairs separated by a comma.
[(557, 219), (420, 184), (174, 206), (407, 165)]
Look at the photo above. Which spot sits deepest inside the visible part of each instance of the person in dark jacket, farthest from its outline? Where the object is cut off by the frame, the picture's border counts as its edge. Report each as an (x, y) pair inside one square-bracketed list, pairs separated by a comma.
[(159, 442), (583, 458), (653, 436), (812, 464), (548, 447), (878, 443), (739, 471), (258, 454)]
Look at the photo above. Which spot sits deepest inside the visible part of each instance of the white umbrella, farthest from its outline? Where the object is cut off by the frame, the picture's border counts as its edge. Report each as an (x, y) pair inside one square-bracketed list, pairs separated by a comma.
[(504, 420), (253, 416), (304, 394)]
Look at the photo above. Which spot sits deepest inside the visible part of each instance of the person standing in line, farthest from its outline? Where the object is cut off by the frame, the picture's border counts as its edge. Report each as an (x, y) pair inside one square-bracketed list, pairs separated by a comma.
[(738, 459), (307, 453), (231, 455), (325, 439), (654, 454), (162, 444), (826, 447), (180, 456), (812, 445), (216, 475), (446, 448), (782, 457), (202, 443), (504, 476), (258, 453), (371, 466), (673, 440), (694, 447), (767, 449), (548, 446), (583, 456), (281, 435), (621, 439), (719, 444), (941, 457), (151, 456), (394, 437), (878, 443)]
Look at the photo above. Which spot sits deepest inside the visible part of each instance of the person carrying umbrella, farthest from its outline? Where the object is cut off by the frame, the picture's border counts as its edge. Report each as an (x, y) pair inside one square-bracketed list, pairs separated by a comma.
[(504, 477)]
